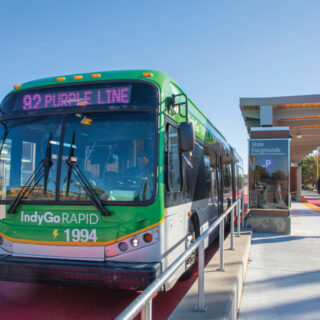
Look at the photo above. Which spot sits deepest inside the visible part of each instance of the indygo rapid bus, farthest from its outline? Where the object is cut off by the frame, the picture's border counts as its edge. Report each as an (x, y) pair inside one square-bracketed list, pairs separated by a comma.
[(106, 178)]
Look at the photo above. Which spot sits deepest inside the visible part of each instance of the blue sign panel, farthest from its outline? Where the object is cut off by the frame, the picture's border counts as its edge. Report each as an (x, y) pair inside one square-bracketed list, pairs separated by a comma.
[(269, 173)]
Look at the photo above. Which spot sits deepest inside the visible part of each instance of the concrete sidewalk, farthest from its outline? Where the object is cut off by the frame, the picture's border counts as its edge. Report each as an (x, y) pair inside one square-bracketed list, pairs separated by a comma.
[(283, 276), (222, 289)]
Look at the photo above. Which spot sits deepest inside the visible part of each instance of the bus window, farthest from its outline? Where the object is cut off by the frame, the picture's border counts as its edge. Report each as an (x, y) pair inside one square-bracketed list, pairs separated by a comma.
[(227, 185), (207, 168), (239, 180), (27, 160), (28, 142), (173, 170), (227, 178), (114, 152)]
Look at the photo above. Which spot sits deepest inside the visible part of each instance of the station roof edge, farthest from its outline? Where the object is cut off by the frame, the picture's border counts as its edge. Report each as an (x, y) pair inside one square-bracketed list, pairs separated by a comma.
[(267, 101)]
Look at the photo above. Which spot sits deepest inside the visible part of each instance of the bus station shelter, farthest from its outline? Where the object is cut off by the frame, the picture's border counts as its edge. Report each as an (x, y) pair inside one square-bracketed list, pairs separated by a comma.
[(282, 131)]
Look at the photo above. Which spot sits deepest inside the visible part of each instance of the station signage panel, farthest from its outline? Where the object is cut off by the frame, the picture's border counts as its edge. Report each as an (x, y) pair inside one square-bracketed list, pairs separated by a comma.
[(269, 173)]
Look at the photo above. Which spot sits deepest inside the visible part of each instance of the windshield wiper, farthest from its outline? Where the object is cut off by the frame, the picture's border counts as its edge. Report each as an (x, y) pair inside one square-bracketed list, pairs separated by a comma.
[(143, 187), (41, 171), (47, 165), (88, 188)]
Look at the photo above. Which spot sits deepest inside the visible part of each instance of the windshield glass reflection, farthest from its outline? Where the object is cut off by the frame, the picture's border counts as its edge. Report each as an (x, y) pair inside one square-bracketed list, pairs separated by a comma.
[(28, 142), (114, 152)]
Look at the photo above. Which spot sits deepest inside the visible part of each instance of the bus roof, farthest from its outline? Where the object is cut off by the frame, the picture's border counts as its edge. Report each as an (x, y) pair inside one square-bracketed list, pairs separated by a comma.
[(142, 74), (150, 75)]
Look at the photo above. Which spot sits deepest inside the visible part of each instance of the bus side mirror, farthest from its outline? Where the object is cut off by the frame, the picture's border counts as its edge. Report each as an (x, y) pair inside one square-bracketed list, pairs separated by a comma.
[(186, 136)]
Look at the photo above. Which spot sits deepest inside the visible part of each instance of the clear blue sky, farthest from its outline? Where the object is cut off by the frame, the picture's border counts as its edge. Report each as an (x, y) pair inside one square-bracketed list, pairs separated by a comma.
[(218, 51)]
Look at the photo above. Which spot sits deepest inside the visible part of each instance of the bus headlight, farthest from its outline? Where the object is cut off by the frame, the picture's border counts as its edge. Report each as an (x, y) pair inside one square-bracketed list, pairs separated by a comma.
[(134, 242), (123, 246)]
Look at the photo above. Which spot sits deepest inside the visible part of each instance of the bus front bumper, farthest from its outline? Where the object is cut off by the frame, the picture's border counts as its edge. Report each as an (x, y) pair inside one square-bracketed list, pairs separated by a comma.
[(109, 274)]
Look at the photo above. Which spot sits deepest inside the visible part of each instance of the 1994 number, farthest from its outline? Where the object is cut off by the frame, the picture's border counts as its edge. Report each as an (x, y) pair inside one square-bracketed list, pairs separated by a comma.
[(81, 235)]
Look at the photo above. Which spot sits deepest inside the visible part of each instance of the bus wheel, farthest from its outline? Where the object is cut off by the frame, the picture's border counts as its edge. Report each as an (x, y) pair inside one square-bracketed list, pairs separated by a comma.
[(191, 238)]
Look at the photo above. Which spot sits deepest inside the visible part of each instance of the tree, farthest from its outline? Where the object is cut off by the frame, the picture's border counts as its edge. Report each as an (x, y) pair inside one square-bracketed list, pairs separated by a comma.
[(309, 169)]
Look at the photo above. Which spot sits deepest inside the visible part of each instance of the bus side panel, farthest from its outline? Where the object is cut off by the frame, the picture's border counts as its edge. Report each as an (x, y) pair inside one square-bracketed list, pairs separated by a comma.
[(174, 230), (198, 196), (173, 240)]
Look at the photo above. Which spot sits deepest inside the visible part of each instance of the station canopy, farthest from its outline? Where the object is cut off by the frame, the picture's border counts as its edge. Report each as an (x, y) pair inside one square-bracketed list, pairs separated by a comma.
[(300, 113)]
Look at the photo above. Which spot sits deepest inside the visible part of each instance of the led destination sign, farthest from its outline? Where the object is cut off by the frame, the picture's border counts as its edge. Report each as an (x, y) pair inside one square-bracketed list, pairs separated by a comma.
[(46, 99)]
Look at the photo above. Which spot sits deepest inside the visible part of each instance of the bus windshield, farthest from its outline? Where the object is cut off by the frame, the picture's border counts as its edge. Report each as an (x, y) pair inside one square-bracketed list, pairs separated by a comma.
[(113, 151)]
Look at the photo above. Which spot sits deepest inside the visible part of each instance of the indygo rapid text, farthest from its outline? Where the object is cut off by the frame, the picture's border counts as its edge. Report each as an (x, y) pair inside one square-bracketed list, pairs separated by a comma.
[(64, 218)]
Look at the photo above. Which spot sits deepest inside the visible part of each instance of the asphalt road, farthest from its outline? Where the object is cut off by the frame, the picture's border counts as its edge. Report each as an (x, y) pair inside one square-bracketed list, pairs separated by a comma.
[(24, 301)]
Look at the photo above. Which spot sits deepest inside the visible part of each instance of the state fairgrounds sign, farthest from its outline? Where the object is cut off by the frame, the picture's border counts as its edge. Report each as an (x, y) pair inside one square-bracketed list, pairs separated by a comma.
[(269, 173), (269, 146), (265, 152)]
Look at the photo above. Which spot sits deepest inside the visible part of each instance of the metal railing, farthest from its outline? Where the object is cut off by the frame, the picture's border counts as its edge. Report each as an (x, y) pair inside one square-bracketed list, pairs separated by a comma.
[(144, 301)]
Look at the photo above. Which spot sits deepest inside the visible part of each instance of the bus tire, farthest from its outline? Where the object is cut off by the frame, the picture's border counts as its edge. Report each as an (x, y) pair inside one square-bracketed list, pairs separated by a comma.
[(191, 238)]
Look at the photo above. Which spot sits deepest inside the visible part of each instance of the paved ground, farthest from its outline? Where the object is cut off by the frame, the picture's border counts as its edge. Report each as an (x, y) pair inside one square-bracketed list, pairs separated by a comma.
[(25, 301), (283, 276), (222, 289)]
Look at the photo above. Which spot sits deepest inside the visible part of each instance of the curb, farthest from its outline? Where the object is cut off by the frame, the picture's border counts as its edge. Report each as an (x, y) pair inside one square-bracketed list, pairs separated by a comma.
[(223, 290)]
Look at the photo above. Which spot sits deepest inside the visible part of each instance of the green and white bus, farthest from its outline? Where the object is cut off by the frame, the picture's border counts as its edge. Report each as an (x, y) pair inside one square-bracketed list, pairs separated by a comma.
[(106, 178)]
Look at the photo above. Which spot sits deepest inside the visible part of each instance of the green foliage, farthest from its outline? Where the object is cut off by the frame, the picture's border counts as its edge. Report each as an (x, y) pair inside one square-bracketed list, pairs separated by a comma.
[(309, 170)]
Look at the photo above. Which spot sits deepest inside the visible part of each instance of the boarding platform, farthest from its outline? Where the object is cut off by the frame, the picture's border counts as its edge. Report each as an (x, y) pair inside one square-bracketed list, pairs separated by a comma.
[(281, 273)]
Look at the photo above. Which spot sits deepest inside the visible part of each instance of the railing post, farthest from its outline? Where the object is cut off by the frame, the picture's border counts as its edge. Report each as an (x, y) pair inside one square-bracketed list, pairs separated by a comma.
[(221, 239), (201, 303), (232, 229), (143, 303), (146, 312), (238, 217), (242, 211)]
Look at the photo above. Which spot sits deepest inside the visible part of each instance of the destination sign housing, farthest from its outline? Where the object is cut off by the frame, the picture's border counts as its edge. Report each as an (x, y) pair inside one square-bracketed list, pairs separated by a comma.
[(45, 99)]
